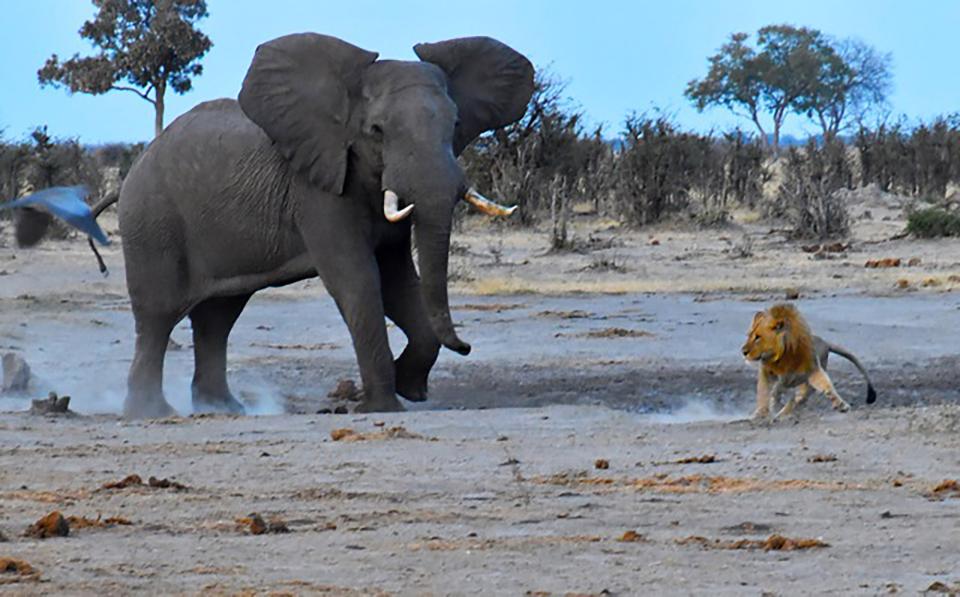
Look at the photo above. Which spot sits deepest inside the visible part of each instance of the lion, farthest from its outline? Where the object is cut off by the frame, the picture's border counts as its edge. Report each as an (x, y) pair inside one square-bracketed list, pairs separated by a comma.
[(792, 357)]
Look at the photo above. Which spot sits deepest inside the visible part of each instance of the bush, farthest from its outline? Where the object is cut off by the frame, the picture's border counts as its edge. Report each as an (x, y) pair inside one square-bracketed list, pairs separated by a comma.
[(808, 196), (918, 162), (43, 162), (933, 223)]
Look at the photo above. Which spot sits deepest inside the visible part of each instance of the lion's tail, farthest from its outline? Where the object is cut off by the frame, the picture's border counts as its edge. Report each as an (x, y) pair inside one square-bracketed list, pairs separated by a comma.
[(871, 393)]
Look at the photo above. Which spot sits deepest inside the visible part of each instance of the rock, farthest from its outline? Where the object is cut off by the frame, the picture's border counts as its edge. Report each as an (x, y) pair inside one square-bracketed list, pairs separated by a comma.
[(792, 294), (16, 373), (255, 524), (346, 390)]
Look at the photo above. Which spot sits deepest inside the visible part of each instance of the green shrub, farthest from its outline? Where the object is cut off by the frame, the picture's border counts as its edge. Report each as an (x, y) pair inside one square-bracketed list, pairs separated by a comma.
[(933, 222)]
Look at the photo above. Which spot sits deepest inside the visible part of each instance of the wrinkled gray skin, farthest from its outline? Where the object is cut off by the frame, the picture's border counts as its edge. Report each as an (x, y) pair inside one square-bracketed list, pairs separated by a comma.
[(287, 183)]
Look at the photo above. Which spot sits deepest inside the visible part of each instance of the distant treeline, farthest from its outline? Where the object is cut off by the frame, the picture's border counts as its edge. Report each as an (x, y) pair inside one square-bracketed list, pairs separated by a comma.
[(653, 170), (42, 161)]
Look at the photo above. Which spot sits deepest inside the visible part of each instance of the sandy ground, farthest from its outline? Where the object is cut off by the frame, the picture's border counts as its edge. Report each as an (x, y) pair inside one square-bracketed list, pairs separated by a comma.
[(503, 501), (626, 350)]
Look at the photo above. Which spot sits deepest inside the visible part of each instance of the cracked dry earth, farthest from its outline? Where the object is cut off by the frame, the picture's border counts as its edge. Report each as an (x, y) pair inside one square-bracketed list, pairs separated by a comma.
[(502, 501)]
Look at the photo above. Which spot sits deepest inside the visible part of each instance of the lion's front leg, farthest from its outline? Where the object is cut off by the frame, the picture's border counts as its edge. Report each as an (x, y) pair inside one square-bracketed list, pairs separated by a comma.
[(764, 395), (821, 382)]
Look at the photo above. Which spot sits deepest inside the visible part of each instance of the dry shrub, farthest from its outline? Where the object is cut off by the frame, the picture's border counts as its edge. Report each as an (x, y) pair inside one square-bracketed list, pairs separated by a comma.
[(807, 197), (919, 161)]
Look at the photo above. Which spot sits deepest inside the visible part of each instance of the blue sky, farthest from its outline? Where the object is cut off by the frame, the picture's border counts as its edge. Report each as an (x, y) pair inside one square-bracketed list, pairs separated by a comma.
[(617, 56)]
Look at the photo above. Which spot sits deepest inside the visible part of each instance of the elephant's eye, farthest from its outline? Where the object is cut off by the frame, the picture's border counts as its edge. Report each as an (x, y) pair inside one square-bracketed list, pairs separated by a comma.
[(376, 130), (456, 123)]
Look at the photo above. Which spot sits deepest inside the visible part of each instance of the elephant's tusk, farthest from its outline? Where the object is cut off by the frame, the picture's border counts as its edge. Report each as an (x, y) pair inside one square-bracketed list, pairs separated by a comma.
[(391, 203), (486, 206)]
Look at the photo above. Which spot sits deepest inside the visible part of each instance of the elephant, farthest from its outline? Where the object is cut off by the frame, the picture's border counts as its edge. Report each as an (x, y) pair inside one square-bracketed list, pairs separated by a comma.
[(324, 165)]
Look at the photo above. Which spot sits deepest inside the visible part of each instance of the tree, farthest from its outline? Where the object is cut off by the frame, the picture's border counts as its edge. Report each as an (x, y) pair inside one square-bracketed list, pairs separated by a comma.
[(854, 82), (776, 77), (791, 62), (733, 81), (146, 47)]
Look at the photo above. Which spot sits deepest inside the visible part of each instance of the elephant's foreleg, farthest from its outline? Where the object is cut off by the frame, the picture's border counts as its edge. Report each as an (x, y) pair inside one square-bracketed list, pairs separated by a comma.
[(359, 301), (212, 321), (340, 246), (403, 303), (145, 381)]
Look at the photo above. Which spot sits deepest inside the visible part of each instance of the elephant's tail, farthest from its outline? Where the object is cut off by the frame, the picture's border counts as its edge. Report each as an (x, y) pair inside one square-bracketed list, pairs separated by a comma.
[(103, 204), (95, 212)]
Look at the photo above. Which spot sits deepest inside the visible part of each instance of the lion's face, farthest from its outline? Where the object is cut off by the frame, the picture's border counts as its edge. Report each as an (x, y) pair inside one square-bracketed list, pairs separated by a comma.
[(765, 339)]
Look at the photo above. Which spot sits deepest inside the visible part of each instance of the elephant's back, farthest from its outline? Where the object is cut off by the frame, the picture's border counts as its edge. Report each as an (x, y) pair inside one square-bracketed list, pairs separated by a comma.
[(191, 162), (215, 134), (210, 192)]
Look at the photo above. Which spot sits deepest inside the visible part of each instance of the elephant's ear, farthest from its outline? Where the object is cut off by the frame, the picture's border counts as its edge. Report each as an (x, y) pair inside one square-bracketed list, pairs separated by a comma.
[(490, 82), (298, 90)]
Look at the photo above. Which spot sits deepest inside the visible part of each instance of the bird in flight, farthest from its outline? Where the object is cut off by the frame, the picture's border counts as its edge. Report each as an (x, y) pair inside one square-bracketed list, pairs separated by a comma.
[(66, 203)]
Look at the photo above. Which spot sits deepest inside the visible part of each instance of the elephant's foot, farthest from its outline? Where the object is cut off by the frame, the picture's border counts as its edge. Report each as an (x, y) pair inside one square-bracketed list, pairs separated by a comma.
[(411, 384), (204, 403), (142, 407), (382, 405)]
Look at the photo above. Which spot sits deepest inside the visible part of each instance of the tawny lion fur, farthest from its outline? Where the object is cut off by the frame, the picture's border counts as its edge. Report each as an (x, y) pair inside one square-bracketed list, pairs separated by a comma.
[(791, 356)]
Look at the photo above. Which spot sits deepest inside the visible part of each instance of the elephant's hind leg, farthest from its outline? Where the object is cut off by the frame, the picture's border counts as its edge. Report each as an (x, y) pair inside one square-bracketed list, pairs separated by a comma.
[(145, 381), (212, 321)]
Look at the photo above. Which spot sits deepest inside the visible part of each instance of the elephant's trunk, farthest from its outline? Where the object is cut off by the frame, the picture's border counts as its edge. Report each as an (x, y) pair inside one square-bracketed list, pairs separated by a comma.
[(433, 245)]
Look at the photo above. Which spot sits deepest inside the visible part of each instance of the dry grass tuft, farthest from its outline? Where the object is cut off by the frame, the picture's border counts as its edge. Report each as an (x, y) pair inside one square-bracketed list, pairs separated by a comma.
[(664, 483), (13, 570), (349, 435), (771, 543)]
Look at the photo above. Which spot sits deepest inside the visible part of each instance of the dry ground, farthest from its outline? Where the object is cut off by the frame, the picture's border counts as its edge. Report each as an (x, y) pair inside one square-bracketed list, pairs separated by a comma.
[(626, 351), (494, 502)]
